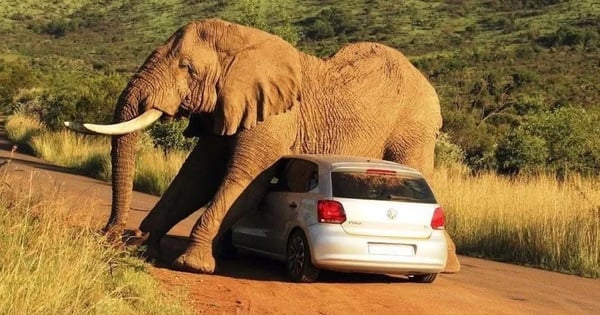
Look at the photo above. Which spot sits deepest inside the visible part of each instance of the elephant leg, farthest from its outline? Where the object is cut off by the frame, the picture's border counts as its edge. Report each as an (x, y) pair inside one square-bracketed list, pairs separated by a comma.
[(194, 186), (235, 197), (419, 154), (244, 184), (412, 148)]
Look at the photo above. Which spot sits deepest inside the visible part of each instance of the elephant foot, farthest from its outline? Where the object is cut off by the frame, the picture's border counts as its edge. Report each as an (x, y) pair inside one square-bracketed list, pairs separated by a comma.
[(134, 238), (452, 264), (196, 260), (114, 233), (141, 242)]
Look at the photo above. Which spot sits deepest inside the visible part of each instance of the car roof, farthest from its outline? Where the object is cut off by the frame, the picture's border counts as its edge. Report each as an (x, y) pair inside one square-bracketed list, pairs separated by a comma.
[(333, 161)]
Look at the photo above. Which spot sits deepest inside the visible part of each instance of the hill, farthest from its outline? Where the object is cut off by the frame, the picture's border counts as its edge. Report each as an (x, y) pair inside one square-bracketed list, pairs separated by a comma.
[(515, 77)]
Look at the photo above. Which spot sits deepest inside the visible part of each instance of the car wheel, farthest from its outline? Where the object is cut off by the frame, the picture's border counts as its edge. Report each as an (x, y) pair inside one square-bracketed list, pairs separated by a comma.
[(299, 265), (427, 278)]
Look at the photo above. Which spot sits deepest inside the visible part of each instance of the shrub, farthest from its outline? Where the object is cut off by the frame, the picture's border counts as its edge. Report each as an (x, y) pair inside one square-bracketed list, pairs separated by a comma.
[(330, 22), (320, 29), (521, 152), (15, 78), (571, 36), (169, 136), (558, 140), (446, 152)]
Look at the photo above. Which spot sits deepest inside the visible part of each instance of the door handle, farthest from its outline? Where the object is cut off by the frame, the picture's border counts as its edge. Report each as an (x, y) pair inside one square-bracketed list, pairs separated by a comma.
[(293, 205)]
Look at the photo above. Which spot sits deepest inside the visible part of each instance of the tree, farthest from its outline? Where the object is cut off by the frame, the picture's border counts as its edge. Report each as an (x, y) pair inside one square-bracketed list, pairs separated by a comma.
[(560, 141)]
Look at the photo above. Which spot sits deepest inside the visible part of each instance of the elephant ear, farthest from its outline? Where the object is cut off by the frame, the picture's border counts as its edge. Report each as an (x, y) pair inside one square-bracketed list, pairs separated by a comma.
[(262, 78)]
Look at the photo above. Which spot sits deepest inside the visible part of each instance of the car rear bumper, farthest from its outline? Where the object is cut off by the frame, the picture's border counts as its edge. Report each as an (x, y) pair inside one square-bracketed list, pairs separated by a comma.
[(334, 249)]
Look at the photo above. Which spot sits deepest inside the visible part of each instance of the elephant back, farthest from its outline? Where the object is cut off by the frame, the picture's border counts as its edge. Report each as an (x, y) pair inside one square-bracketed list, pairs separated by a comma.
[(378, 71)]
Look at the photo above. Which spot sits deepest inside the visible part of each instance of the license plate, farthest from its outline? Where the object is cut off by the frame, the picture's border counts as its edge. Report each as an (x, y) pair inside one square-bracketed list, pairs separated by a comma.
[(391, 249)]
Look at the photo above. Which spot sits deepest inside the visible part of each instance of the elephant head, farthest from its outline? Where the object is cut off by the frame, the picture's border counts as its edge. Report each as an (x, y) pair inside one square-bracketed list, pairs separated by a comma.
[(234, 76)]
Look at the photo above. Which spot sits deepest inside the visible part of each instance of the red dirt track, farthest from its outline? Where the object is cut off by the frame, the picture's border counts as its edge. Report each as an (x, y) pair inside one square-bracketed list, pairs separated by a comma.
[(249, 285)]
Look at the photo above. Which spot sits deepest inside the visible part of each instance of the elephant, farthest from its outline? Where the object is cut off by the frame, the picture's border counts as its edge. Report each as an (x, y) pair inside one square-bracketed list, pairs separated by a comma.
[(252, 98)]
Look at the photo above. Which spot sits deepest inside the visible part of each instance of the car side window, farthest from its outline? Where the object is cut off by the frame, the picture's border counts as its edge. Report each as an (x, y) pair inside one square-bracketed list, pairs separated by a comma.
[(295, 175)]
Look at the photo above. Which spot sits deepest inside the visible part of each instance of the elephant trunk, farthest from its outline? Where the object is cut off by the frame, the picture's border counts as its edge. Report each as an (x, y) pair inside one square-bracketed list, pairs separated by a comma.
[(123, 150)]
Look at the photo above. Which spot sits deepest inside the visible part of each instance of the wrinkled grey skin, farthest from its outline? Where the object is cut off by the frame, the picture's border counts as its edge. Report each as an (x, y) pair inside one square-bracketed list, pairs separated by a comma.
[(253, 98)]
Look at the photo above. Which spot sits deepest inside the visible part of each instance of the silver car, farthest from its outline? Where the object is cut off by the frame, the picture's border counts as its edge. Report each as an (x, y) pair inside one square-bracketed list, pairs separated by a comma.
[(347, 214)]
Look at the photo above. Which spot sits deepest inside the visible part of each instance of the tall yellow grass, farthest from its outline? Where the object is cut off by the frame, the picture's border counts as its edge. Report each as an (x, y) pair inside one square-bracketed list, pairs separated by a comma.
[(91, 154), (535, 221), (20, 128), (49, 266), (74, 151), (155, 170)]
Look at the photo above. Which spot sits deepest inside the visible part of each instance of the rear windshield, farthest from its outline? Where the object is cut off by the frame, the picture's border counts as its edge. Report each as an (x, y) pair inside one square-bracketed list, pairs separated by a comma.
[(386, 185)]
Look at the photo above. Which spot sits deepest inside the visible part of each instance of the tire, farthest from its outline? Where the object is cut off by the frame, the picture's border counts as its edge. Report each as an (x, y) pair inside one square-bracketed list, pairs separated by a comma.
[(426, 278), (298, 259)]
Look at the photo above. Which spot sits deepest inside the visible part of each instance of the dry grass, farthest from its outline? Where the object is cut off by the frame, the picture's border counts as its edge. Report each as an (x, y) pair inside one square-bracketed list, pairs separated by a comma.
[(535, 221), (21, 128), (91, 154), (74, 151), (49, 266), (155, 170)]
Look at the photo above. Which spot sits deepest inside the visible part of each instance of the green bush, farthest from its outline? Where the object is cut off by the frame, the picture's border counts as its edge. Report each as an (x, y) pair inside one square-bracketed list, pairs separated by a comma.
[(320, 29), (559, 141), (446, 152), (333, 21), (15, 78), (520, 152), (169, 136), (571, 36)]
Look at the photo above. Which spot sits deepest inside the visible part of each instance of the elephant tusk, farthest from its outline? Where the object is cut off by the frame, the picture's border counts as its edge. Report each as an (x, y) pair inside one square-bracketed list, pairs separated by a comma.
[(77, 127), (142, 121)]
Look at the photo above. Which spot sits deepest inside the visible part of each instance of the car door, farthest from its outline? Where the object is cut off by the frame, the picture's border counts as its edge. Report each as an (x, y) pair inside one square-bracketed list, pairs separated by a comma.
[(267, 228)]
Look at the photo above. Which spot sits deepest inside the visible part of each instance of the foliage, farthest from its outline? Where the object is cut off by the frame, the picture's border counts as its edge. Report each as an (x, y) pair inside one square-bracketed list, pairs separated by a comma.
[(559, 140), (446, 152), (521, 152), (267, 15), (572, 36), (330, 22), (169, 136)]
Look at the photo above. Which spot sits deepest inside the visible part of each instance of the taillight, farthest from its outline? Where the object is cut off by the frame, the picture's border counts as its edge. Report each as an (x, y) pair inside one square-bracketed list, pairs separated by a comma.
[(330, 211), (438, 221)]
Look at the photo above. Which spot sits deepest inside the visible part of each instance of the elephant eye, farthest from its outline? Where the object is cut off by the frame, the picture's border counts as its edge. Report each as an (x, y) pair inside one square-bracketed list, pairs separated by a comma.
[(185, 63)]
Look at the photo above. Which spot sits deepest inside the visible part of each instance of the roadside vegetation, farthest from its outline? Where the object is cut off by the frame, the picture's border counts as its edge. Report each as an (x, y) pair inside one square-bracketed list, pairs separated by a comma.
[(534, 220), (519, 157), (90, 155), (52, 263)]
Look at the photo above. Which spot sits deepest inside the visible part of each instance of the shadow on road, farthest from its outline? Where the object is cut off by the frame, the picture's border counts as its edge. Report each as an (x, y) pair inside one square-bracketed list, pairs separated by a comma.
[(251, 267)]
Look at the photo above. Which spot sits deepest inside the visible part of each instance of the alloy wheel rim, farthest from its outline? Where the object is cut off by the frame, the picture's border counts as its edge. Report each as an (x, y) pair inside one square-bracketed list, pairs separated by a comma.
[(296, 256)]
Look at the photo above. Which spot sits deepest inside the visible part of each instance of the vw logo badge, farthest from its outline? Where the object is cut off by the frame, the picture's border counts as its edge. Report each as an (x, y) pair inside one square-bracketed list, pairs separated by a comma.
[(392, 214)]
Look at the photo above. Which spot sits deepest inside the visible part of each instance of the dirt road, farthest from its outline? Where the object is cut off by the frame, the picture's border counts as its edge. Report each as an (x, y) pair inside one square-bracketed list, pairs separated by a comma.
[(248, 285)]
